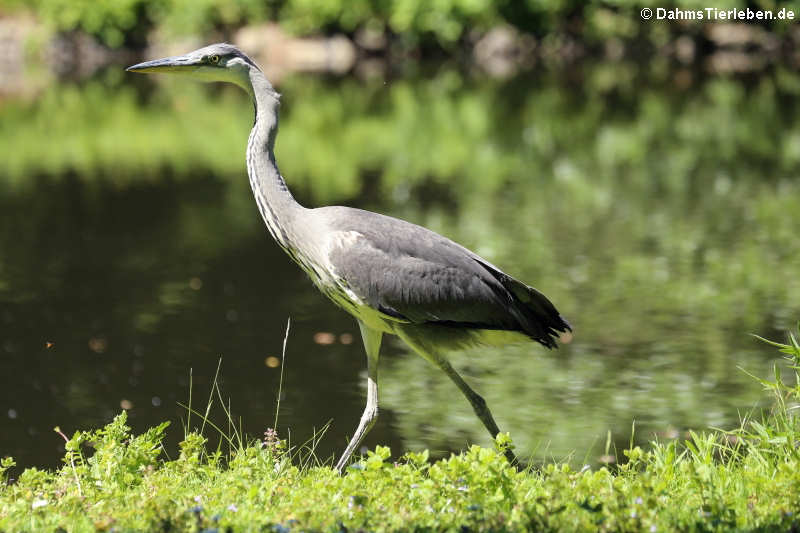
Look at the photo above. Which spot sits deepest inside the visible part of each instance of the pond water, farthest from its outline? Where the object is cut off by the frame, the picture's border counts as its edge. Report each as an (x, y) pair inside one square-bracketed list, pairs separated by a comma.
[(658, 208)]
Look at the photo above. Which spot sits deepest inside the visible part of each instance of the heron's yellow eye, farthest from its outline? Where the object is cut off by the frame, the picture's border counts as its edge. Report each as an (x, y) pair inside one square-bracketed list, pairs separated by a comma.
[(213, 59)]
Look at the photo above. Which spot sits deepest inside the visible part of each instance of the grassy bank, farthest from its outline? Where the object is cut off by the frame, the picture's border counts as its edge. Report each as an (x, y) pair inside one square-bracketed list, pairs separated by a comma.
[(740, 480)]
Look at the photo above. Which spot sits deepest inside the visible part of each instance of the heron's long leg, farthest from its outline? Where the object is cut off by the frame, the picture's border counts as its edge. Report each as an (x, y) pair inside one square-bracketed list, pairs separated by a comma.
[(475, 399), (372, 345)]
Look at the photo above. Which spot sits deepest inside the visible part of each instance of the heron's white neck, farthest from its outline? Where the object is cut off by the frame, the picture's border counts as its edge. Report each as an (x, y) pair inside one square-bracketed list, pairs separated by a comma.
[(275, 203)]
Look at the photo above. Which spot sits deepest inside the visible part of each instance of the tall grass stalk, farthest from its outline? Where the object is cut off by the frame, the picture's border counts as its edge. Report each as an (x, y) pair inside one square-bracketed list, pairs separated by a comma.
[(280, 382)]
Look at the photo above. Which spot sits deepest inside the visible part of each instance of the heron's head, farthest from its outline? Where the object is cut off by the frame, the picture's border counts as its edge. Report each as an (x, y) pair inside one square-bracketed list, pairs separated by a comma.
[(216, 62)]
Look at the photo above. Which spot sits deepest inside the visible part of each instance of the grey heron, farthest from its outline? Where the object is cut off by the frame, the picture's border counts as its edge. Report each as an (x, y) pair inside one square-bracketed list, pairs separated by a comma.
[(393, 276)]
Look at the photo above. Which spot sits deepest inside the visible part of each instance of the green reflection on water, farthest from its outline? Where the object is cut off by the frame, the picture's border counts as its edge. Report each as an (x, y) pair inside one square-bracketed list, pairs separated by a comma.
[(657, 209)]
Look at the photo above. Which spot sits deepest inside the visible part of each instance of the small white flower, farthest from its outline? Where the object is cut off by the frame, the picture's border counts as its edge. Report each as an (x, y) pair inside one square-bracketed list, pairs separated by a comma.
[(232, 507), (38, 503)]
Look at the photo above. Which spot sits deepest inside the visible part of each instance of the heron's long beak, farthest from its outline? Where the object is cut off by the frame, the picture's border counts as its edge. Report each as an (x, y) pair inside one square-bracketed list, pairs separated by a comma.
[(168, 64)]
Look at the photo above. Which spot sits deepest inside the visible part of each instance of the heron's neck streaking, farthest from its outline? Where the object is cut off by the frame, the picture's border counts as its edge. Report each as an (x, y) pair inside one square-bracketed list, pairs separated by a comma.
[(276, 204)]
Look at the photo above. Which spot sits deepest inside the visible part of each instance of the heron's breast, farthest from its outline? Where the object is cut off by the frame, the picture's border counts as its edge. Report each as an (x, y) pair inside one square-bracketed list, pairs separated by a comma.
[(335, 287), (340, 294)]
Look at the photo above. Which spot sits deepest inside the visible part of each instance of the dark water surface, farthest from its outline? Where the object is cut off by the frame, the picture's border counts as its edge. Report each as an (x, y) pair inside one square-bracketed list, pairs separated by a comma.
[(658, 210), (112, 308)]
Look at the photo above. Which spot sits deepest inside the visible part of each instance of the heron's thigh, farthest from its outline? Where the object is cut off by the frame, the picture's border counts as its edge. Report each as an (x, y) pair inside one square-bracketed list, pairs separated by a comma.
[(433, 342)]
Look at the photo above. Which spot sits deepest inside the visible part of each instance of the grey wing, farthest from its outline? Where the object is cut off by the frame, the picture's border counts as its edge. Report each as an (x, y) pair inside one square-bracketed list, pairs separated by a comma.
[(412, 288), (415, 275)]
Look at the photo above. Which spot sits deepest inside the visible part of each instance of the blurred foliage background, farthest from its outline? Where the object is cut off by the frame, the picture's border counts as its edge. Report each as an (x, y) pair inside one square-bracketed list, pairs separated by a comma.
[(652, 195), (441, 23)]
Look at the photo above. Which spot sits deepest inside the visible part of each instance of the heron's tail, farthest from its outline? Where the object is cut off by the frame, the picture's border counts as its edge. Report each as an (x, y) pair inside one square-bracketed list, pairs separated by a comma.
[(541, 320), (537, 316)]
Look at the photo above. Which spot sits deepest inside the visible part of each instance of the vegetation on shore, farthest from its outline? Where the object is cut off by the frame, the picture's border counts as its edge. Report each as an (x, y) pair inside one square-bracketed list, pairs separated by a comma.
[(406, 24), (715, 480)]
